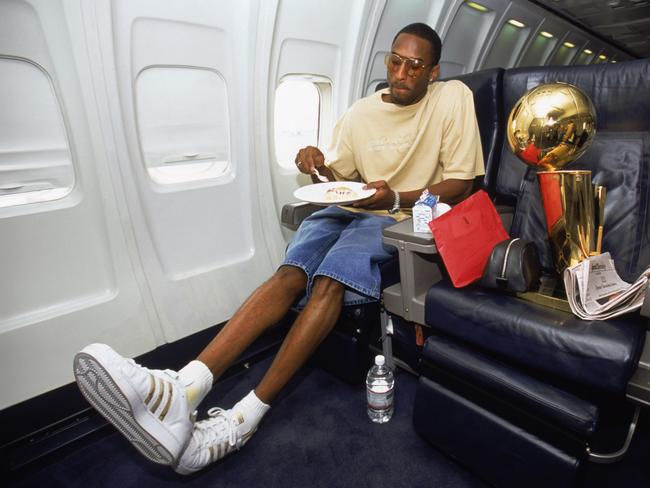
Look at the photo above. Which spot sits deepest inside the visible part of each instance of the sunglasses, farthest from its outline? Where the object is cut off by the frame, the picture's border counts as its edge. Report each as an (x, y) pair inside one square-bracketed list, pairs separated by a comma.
[(415, 67)]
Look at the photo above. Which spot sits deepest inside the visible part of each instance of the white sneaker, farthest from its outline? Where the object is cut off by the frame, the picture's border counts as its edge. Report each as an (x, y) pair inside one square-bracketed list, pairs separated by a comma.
[(147, 406), (212, 439)]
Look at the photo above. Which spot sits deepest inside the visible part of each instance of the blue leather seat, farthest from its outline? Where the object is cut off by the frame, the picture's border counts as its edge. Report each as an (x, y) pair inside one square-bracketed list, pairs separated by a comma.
[(506, 382), (599, 355)]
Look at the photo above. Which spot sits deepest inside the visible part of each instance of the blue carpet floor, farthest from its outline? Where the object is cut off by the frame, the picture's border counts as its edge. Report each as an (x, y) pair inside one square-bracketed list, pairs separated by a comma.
[(317, 435)]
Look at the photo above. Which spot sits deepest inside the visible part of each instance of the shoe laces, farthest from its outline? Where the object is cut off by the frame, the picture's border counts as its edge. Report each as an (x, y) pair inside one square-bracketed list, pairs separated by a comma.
[(221, 426)]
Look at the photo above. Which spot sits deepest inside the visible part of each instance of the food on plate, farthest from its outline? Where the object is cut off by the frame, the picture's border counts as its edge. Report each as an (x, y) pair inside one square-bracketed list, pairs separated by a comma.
[(339, 193)]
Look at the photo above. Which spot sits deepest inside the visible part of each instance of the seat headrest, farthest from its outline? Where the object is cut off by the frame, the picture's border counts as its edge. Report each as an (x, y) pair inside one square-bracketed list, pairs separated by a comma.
[(619, 92)]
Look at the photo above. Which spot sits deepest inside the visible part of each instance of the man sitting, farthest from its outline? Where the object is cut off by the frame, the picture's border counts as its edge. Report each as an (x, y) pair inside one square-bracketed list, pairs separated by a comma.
[(416, 134)]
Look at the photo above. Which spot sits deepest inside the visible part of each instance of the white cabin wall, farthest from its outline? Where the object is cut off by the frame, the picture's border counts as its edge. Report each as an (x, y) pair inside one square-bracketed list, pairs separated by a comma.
[(70, 273), (201, 242), (122, 258)]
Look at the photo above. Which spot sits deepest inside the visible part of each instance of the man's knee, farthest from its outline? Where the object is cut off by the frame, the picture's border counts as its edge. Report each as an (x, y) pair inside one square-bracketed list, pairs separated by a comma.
[(291, 278), (326, 287)]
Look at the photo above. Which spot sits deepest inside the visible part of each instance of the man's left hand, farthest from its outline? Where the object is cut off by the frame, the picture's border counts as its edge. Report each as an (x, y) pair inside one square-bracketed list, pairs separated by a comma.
[(383, 198)]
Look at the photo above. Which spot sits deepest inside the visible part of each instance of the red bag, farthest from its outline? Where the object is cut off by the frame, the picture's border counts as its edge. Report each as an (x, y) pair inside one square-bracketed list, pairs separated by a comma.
[(466, 235)]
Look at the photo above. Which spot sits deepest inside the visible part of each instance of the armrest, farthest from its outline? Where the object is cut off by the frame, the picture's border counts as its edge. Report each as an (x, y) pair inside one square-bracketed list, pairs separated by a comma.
[(294, 213), (638, 388), (402, 232), (418, 270), (418, 267)]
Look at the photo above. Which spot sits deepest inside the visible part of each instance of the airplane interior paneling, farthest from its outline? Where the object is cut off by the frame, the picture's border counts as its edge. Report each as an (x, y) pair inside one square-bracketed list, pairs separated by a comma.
[(147, 176)]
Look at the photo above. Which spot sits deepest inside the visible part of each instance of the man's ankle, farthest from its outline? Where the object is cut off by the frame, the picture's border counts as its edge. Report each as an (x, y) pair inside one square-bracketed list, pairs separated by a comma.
[(197, 379), (248, 412)]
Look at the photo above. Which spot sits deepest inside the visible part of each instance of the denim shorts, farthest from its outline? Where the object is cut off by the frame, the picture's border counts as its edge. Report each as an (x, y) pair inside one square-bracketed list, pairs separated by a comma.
[(345, 246)]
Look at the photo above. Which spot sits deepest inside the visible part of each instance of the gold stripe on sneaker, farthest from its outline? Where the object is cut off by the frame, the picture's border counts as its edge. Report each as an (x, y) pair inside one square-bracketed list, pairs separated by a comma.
[(247, 436), (152, 388), (163, 414), (161, 394), (211, 454)]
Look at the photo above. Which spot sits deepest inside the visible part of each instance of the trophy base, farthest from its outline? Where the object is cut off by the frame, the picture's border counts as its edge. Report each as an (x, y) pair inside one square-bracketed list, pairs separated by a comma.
[(550, 294)]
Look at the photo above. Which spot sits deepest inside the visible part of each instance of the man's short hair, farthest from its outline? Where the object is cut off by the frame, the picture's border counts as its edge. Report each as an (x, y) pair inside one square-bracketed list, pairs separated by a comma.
[(425, 32)]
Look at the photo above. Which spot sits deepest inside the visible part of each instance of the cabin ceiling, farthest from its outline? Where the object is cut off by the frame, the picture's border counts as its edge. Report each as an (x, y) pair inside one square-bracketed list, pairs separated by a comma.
[(625, 22)]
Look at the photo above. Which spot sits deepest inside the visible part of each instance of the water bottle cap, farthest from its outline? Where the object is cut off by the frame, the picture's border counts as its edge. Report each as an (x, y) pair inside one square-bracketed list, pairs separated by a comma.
[(380, 360)]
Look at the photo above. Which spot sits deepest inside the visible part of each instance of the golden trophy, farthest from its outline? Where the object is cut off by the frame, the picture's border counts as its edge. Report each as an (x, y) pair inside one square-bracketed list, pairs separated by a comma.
[(552, 125)]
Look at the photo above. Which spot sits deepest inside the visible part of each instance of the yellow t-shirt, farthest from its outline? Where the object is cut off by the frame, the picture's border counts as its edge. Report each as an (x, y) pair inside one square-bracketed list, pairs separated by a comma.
[(410, 147)]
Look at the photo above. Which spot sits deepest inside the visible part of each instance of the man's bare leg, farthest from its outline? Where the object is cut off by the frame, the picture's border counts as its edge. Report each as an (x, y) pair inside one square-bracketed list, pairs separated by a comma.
[(310, 328), (228, 430), (265, 307)]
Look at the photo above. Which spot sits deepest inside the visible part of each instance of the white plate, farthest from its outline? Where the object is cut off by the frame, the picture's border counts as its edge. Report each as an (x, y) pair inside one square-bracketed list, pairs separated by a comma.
[(318, 193)]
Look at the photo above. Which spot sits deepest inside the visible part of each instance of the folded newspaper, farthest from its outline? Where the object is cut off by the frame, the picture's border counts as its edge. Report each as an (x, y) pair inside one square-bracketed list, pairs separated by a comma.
[(595, 291)]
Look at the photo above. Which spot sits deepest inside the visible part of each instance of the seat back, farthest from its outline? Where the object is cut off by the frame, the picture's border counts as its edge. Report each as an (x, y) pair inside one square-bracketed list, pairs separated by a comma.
[(488, 102), (619, 158)]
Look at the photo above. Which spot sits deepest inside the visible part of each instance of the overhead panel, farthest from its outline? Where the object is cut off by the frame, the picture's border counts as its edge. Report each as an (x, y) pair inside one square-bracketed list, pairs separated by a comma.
[(571, 45), (625, 23), (543, 43), (587, 53), (459, 54), (517, 27)]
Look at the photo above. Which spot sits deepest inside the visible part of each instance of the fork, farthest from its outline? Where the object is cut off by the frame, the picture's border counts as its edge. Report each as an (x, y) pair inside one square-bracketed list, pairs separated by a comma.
[(320, 177)]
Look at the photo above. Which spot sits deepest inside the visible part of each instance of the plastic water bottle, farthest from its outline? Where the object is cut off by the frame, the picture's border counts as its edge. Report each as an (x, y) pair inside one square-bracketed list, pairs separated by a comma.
[(380, 385)]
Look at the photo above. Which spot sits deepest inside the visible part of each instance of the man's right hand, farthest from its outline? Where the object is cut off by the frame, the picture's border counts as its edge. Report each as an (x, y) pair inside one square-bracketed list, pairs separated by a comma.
[(308, 158)]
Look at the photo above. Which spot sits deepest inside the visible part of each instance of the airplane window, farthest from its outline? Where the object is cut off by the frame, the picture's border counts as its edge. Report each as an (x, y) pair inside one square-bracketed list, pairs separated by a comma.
[(299, 114), (35, 160), (183, 123)]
